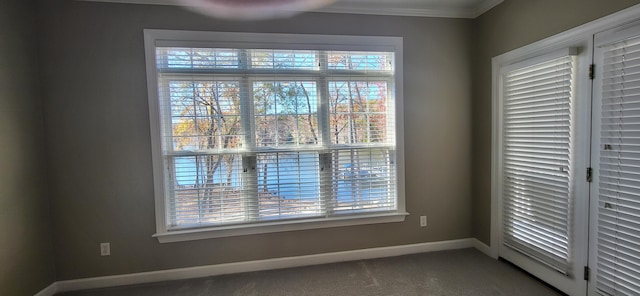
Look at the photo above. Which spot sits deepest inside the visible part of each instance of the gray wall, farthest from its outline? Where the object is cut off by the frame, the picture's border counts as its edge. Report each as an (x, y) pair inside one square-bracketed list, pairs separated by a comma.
[(97, 128), (26, 249), (511, 25), (98, 146)]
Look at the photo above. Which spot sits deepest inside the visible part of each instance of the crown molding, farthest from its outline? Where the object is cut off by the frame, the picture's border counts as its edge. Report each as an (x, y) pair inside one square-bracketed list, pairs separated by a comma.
[(486, 6), (419, 12), (406, 10), (145, 2), (371, 9)]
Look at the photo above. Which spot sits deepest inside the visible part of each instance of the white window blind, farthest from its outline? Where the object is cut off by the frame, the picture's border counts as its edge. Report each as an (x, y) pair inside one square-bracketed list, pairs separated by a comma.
[(253, 135), (618, 257), (289, 185), (363, 180), (537, 160)]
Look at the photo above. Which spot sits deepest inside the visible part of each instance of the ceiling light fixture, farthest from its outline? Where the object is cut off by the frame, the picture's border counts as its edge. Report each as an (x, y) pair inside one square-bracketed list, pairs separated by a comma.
[(253, 9)]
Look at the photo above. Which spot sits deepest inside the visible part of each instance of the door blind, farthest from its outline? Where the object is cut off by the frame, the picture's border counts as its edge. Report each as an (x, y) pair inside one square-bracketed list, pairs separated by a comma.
[(618, 256), (537, 160)]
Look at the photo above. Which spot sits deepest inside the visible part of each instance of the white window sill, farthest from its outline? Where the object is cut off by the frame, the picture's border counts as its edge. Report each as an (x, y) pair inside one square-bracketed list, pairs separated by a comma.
[(248, 229)]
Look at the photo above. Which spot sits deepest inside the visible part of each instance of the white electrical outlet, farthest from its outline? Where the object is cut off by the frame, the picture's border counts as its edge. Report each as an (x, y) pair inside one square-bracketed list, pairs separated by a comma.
[(423, 221), (105, 249)]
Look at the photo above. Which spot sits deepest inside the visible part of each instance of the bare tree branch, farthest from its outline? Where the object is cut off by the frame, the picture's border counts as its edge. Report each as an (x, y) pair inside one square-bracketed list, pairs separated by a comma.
[(313, 131)]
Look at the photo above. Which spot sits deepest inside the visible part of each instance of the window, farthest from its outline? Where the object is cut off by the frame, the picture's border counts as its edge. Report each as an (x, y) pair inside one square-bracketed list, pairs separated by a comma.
[(257, 133)]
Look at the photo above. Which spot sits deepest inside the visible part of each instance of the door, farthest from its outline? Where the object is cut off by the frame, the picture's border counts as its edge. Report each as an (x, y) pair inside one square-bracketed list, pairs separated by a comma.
[(544, 191), (615, 196)]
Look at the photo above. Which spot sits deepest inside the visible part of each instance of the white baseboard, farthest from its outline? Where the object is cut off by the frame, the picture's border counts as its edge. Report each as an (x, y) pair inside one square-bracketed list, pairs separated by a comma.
[(482, 247), (49, 291), (258, 265)]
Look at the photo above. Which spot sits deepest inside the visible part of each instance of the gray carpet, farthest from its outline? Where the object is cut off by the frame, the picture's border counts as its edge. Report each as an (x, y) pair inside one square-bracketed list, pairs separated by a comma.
[(451, 273)]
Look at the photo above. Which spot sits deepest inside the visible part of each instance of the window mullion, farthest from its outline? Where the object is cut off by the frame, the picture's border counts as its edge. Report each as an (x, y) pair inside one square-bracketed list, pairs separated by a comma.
[(247, 109), (326, 188), (323, 106), (249, 174)]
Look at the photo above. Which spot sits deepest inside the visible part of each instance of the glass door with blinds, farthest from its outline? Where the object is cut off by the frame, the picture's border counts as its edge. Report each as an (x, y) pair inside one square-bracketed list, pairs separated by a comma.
[(615, 194), (567, 159), (539, 169)]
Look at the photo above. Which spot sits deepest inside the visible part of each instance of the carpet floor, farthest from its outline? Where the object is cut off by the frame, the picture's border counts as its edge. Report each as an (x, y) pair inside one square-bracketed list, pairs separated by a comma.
[(451, 273)]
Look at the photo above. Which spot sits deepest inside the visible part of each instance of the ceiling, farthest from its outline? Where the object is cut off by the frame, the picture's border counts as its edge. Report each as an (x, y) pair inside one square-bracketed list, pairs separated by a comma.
[(425, 8)]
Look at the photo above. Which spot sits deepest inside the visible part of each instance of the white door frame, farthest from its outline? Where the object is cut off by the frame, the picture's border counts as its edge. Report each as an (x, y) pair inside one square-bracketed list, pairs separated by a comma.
[(572, 283)]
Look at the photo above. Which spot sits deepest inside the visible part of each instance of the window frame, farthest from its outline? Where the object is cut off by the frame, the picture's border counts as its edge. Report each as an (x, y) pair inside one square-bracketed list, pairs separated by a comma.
[(165, 38)]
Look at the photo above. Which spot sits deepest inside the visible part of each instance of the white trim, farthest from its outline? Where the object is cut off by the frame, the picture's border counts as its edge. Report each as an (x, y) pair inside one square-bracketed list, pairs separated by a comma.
[(398, 9), (496, 159), (155, 133), (281, 226), (486, 6), (258, 265), (482, 247), (49, 290), (596, 140), (564, 39)]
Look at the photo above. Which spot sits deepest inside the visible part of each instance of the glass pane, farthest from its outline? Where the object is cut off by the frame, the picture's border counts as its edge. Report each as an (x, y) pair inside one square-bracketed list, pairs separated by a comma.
[(206, 190), (351, 60), (288, 185), (363, 180), (284, 59), (286, 113), (197, 58), (205, 115), (358, 112)]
